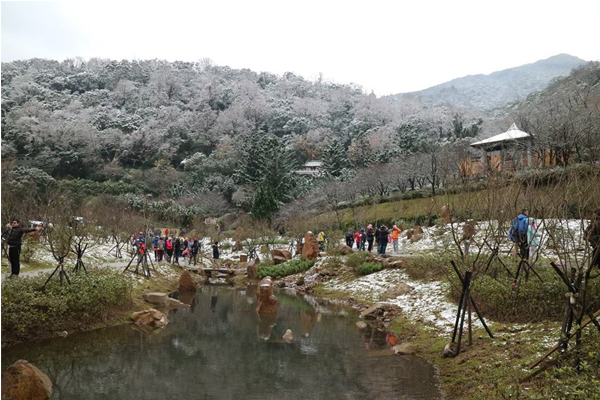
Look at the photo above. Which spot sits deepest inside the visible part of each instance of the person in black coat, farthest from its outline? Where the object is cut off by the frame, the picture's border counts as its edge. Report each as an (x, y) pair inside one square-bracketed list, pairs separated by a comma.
[(382, 239), (13, 239)]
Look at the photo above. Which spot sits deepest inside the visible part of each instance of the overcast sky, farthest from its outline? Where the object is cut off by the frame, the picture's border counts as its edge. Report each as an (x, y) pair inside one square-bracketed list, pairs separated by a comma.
[(384, 46)]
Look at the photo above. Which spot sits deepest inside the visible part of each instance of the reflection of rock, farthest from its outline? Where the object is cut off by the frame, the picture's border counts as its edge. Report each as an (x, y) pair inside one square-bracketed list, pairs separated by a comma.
[(266, 322), (361, 325), (150, 317), (174, 303), (22, 380), (404, 349), (186, 283), (267, 302), (187, 297), (156, 298), (310, 249), (308, 319), (288, 336)]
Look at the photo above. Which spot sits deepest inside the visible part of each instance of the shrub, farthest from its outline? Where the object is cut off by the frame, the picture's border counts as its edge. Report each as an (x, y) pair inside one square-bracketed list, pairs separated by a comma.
[(289, 268), (367, 268), (355, 259), (30, 313)]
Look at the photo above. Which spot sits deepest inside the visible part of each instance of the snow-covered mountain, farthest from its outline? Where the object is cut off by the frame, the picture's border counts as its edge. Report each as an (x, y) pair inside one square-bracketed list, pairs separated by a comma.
[(485, 92)]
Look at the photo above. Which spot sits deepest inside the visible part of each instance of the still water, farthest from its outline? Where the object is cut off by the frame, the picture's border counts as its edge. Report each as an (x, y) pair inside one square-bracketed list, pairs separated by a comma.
[(220, 349)]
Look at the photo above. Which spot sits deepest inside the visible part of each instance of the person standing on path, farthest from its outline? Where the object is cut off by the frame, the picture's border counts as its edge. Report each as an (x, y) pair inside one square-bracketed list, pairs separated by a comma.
[(395, 235), (321, 240), (363, 239), (215, 249), (382, 240), (370, 237), (176, 250), (13, 239), (349, 238), (357, 238)]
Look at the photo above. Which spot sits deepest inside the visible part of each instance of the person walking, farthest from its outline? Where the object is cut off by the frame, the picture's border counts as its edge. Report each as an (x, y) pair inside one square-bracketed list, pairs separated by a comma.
[(382, 240), (176, 251), (169, 248), (215, 249), (155, 247), (349, 238), (321, 240), (395, 234), (363, 239), (13, 237), (370, 237), (357, 239), (161, 248), (194, 251)]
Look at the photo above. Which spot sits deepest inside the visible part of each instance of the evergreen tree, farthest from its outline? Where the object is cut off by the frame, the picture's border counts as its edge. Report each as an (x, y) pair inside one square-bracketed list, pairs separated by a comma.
[(335, 159)]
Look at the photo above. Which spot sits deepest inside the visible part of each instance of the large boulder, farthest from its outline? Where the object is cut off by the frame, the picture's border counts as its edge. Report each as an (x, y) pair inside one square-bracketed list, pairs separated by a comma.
[(151, 317), (418, 230), (281, 253), (310, 249), (279, 260), (159, 299), (23, 381), (416, 237), (186, 283), (343, 249), (409, 234), (267, 302)]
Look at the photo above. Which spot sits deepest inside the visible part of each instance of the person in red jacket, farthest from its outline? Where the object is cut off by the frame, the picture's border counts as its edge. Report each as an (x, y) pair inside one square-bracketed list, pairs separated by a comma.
[(357, 239)]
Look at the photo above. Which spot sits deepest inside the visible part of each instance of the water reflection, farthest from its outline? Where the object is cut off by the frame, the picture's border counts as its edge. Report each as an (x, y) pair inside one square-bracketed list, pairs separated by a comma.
[(219, 348)]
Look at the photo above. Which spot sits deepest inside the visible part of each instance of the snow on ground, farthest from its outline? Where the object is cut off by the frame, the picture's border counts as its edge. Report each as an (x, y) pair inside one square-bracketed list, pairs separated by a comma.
[(426, 302)]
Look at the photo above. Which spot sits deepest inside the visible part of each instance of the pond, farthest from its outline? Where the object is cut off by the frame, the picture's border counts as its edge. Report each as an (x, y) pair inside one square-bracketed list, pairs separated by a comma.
[(219, 348)]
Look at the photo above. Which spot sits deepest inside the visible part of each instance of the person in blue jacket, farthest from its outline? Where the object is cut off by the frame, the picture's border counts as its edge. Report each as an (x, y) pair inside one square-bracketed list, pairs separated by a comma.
[(522, 224)]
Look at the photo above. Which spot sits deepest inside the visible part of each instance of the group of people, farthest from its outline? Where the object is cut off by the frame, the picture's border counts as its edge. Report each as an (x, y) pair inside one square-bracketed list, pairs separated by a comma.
[(381, 236), (172, 248)]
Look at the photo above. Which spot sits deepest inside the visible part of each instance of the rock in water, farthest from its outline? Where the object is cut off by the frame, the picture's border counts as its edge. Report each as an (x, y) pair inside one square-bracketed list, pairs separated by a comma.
[(267, 302), (186, 283), (174, 303), (310, 249), (156, 298), (151, 317), (23, 381), (361, 325), (288, 336)]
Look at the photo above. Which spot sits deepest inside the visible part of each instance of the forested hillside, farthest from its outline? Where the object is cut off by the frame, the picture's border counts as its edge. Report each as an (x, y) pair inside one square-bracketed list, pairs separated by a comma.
[(195, 139)]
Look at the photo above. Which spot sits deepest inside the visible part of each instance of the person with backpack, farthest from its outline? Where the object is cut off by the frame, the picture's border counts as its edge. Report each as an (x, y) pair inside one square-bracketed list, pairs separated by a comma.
[(370, 237), (161, 248), (395, 234), (155, 247), (349, 238), (382, 239), (518, 234), (13, 237)]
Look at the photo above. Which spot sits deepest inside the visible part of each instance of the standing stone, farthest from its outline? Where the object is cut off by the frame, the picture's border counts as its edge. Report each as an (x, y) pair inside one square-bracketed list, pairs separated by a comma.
[(267, 302), (23, 381), (186, 283), (243, 258), (310, 250), (418, 230), (409, 234)]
